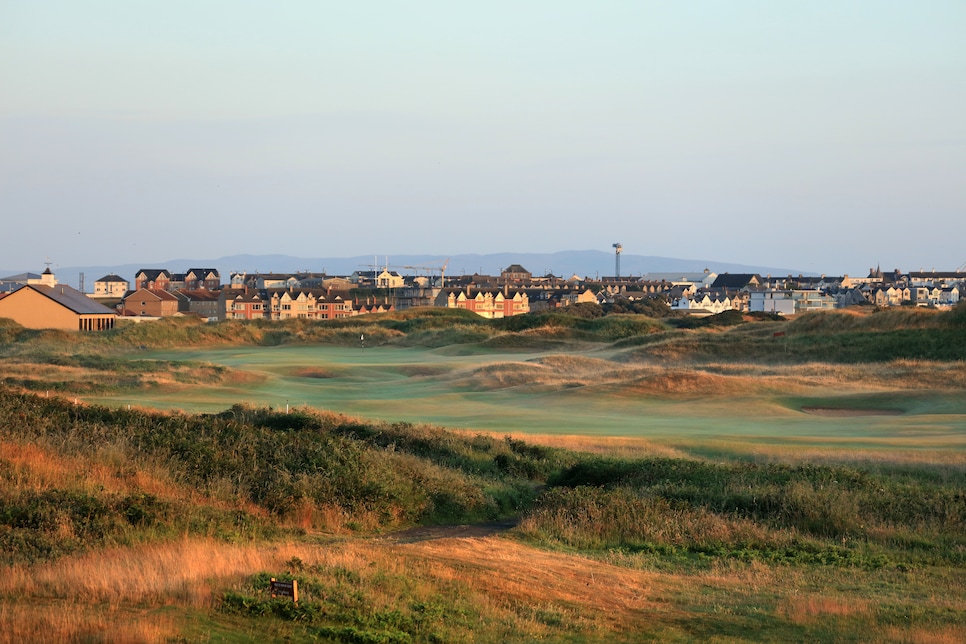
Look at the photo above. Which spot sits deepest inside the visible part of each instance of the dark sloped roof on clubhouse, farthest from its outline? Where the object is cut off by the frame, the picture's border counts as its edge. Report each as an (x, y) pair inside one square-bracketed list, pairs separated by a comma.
[(71, 299)]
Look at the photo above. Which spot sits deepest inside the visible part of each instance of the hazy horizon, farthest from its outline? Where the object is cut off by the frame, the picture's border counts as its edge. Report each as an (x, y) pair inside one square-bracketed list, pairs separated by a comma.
[(829, 138)]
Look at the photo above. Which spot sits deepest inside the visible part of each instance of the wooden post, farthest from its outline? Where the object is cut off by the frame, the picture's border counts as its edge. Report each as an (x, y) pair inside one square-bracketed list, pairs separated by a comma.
[(285, 589)]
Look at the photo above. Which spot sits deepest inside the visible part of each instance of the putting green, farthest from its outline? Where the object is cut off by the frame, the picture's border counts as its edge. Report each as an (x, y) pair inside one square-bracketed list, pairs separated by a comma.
[(443, 388)]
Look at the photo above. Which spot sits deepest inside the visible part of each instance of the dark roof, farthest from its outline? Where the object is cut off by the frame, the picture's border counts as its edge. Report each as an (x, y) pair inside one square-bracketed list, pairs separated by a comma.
[(21, 277), (112, 278), (156, 292), (203, 271), (69, 298), (515, 268), (735, 280), (201, 295), (937, 274), (152, 274)]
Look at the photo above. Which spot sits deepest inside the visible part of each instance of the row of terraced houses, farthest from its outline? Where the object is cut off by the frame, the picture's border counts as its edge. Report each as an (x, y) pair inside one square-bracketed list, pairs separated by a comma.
[(159, 293)]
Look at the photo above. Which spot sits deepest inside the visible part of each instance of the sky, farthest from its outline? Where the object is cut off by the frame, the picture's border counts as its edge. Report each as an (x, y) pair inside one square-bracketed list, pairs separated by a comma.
[(824, 136)]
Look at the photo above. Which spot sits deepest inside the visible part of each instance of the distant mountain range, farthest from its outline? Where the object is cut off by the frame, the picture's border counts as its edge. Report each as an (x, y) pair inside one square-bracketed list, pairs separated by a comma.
[(586, 263)]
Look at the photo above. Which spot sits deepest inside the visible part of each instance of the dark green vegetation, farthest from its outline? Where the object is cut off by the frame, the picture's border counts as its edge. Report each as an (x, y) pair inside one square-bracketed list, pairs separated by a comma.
[(692, 511), (780, 545), (260, 473), (273, 468)]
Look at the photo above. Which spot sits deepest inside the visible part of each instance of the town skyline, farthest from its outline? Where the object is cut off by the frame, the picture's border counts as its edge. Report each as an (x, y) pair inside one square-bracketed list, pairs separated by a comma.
[(585, 263)]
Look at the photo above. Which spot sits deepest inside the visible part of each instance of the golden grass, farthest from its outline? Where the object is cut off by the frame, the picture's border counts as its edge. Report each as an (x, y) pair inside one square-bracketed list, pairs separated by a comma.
[(716, 379), (116, 594), (912, 634), (505, 575), (802, 454), (809, 608), (77, 622), (616, 446), (180, 572), (32, 466)]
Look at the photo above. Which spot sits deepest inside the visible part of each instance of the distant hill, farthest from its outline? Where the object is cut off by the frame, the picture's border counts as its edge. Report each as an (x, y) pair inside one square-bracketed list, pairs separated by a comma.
[(586, 263)]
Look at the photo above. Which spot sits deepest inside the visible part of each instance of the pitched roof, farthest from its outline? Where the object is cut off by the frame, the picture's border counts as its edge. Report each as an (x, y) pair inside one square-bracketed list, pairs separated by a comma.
[(152, 274), (201, 295), (112, 278), (735, 280), (69, 298), (20, 277), (155, 292)]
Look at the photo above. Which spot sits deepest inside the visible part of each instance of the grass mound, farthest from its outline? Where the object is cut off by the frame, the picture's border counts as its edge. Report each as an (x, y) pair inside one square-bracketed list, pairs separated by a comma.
[(829, 514), (302, 469)]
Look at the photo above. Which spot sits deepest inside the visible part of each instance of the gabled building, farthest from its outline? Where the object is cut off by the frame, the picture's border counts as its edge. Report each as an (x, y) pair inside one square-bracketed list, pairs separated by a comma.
[(516, 273), (111, 286), (703, 305), (737, 281), (308, 303), (153, 279), (42, 306), (248, 306), (151, 303), (197, 279), (209, 304), (390, 279), (489, 303), (13, 282), (695, 280)]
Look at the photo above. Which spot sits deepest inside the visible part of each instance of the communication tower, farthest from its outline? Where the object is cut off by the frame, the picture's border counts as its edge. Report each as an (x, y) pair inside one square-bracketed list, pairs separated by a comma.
[(617, 260)]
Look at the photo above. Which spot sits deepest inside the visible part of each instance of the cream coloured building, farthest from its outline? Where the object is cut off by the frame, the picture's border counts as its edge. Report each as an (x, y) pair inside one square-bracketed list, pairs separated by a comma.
[(41, 306)]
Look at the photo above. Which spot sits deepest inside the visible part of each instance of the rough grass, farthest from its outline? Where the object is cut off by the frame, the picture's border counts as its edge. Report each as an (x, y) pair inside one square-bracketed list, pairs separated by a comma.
[(630, 540)]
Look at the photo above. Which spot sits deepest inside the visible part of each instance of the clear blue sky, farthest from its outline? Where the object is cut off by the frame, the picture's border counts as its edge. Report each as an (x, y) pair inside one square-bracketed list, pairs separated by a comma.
[(823, 136)]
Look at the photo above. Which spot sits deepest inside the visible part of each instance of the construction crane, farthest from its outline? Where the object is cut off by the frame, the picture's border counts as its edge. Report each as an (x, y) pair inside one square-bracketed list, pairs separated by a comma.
[(962, 268), (434, 267), (617, 260)]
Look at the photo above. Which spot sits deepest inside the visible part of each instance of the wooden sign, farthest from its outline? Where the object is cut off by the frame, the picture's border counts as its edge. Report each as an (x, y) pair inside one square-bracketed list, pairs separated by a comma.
[(285, 589)]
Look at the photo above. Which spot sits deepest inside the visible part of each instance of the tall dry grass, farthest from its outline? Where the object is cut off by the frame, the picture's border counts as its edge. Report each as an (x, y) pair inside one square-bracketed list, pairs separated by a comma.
[(79, 622), (181, 572)]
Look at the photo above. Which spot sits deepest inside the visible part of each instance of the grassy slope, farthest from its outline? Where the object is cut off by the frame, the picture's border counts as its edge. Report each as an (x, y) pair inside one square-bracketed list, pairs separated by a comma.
[(206, 507)]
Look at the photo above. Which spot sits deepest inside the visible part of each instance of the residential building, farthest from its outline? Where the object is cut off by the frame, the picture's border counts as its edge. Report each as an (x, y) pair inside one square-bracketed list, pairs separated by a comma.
[(703, 305), (202, 278), (516, 273), (697, 280), (111, 286), (790, 302), (737, 281), (152, 303), (489, 303), (390, 279), (152, 279), (248, 306), (209, 304)]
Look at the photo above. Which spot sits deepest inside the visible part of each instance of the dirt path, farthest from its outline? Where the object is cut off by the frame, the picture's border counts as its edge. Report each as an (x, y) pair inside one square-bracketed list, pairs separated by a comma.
[(432, 533)]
